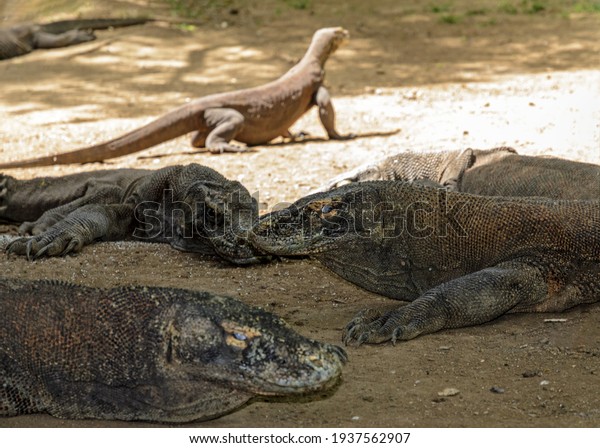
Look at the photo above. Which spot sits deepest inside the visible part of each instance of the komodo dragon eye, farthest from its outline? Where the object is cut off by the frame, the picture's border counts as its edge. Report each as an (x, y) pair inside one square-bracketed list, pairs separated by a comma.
[(326, 209), (238, 336)]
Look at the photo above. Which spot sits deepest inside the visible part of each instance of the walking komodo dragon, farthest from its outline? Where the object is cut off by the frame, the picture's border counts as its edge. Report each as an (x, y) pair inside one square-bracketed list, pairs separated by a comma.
[(492, 172), (251, 116), (460, 259), (192, 207), (23, 38), (144, 353)]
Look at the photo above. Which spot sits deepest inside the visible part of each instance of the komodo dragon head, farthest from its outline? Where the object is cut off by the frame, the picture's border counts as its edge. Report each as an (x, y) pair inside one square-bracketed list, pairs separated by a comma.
[(228, 350), (318, 222), (326, 41), (222, 213)]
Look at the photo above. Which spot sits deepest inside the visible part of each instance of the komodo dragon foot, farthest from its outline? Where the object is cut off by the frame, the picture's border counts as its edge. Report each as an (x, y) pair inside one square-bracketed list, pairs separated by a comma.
[(373, 327), (52, 243)]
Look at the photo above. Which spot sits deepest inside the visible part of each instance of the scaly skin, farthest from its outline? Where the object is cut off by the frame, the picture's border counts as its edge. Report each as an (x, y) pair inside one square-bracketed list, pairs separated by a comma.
[(459, 259), (252, 116), (192, 207), (493, 172), (144, 353)]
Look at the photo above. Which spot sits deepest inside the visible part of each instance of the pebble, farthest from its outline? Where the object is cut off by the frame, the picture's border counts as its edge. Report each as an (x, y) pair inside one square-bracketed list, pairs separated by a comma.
[(449, 392), (497, 389)]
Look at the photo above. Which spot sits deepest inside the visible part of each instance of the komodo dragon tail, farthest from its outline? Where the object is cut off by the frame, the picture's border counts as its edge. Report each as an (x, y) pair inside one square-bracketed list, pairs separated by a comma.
[(174, 124), (62, 26)]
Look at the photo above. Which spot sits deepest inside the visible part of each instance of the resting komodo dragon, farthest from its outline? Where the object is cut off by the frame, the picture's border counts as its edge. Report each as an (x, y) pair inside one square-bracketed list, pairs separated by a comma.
[(252, 116), (23, 38), (192, 207), (460, 259), (146, 353), (493, 172)]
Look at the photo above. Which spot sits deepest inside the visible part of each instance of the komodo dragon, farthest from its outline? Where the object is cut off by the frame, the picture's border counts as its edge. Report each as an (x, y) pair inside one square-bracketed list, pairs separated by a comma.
[(494, 172), (145, 353), (460, 259), (192, 207), (23, 38), (252, 116)]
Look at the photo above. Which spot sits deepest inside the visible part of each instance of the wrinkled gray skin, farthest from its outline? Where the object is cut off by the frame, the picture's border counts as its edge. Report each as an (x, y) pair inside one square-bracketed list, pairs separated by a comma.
[(22, 38), (459, 259), (192, 207), (493, 172), (143, 353)]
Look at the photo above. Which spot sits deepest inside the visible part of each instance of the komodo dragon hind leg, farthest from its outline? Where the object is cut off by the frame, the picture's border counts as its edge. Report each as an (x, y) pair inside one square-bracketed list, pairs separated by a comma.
[(469, 300), (223, 125), (327, 115)]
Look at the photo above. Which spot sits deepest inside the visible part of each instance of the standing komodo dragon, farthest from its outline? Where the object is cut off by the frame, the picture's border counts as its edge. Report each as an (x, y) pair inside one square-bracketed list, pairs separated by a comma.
[(493, 172), (252, 116), (192, 207), (460, 259), (23, 38), (144, 353)]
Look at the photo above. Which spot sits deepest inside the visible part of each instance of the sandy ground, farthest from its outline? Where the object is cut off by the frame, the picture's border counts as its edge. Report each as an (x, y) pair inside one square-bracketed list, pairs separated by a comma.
[(407, 79)]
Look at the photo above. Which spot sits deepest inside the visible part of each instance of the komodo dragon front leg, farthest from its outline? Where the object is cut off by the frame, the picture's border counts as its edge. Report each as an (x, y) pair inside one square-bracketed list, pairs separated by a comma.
[(512, 286), (327, 114), (102, 194), (42, 202), (83, 226)]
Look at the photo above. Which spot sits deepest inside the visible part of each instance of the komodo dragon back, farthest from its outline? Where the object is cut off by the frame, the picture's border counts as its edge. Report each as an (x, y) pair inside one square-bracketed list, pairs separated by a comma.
[(144, 353), (250, 116), (489, 172)]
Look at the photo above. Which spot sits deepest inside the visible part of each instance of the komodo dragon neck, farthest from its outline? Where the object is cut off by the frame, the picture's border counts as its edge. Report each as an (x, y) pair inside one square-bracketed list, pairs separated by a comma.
[(268, 110)]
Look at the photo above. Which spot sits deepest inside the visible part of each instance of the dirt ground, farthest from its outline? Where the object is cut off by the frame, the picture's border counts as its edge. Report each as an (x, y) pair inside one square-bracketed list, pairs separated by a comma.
[(412, 76)]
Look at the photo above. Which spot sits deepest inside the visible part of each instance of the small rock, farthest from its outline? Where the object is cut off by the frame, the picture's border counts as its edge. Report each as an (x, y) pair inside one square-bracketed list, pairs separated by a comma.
[(531, 373), (497, 389), (449, 392), (544, 383), (356, 417)]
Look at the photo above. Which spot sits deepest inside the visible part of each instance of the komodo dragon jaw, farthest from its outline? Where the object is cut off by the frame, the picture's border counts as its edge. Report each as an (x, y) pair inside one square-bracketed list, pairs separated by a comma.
[(315, 223), (147, 353), (253, 116)]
